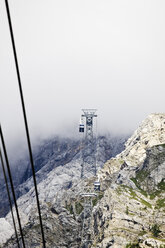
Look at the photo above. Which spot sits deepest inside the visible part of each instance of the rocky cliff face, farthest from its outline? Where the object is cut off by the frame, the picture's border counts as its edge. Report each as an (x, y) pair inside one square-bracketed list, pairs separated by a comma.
[(150, 133), (57, 156), (132, 211), (128, 212)]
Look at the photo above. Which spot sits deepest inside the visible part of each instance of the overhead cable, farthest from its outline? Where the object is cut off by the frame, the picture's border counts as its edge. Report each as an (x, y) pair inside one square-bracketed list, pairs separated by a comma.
[(25, 119), (12, 186), (8, 193)]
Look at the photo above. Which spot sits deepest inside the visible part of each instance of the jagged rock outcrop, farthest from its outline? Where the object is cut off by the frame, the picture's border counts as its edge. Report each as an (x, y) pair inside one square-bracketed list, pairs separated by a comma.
[(150, 133)]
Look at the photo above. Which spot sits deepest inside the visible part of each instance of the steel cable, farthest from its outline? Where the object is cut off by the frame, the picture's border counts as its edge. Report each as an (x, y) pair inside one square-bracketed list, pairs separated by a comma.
[(12, 186), (25, 119), (8, 193)]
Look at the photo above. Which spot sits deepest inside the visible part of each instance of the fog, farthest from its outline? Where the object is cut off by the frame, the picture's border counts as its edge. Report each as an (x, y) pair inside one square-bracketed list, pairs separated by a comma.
[(108, 55)]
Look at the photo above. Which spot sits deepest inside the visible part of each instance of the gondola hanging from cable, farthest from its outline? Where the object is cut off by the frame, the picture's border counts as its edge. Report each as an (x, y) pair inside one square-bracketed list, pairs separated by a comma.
[(81, 126)]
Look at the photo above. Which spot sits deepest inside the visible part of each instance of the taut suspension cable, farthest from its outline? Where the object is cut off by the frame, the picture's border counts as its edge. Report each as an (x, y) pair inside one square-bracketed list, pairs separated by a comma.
[(12, 186), (25, 119), (8, 193)]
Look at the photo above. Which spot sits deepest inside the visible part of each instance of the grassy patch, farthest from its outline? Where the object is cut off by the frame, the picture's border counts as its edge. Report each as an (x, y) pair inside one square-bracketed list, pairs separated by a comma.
[(136, 182), (132, 193), (142, 233), (154, 194), (122, 188), (160, 204), (133, 245), (147, 204)]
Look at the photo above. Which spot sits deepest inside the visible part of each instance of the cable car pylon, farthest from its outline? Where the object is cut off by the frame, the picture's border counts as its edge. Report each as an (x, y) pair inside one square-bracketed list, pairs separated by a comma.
[(88, 158), (88, 154)]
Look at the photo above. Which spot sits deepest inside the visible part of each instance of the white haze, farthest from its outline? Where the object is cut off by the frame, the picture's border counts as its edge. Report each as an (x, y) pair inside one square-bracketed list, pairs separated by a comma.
[(106, 54)]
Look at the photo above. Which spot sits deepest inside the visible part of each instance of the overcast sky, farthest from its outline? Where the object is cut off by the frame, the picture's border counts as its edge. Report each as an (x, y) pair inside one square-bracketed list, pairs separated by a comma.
[(106, 54)]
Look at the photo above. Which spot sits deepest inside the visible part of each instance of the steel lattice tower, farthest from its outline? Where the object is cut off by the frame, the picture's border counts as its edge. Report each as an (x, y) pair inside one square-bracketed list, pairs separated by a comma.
[(89, 151), (89, 114)]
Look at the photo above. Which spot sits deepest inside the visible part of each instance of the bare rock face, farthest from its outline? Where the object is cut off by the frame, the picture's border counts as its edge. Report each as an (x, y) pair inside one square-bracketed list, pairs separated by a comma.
[(132, 215), (132, 211), (60, 229), (6, 229), (150, 133), (128, 212)]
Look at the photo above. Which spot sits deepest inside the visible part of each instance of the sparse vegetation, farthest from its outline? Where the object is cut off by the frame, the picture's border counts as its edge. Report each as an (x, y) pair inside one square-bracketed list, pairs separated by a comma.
[(100, 195), (133, 245), (160, 203), (155, 230), (147, 204), (95, 200), (142, 233), (161, 185), (161, 188), (127, 210), (141, 175), (137, 183)]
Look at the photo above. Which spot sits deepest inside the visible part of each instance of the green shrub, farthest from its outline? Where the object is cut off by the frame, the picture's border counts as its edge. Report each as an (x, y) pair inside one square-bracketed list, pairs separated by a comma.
[(155, 230)]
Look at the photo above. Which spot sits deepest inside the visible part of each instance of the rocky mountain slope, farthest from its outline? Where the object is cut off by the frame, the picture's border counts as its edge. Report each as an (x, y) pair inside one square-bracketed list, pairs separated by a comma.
[(136, 204), (53, 155), (128, 212)]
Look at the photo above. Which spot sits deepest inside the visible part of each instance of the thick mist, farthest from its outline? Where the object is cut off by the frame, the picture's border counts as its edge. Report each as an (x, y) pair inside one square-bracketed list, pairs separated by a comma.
[(108, 55)]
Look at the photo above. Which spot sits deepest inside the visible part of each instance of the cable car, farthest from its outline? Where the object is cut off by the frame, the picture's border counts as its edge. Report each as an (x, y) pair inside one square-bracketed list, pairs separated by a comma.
[(81, 128), (97, 185)]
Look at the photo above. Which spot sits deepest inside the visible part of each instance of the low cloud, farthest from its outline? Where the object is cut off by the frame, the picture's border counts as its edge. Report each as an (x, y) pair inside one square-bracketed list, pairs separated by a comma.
[(107, 55)]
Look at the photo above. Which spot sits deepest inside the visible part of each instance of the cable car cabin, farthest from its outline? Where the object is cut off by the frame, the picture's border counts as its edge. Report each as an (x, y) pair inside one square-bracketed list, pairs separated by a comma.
[(97, 186), (81, 128)]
